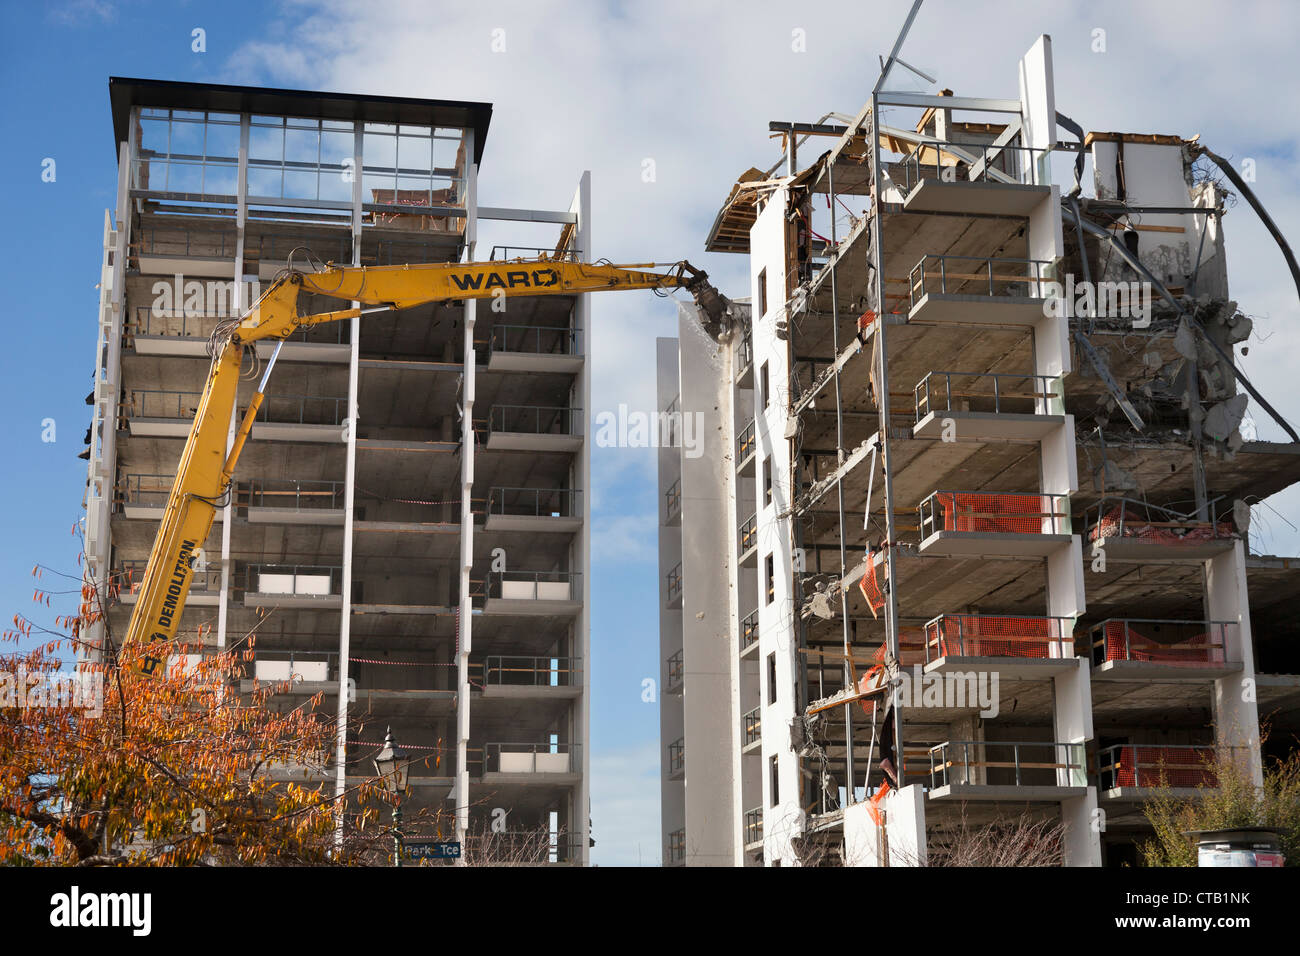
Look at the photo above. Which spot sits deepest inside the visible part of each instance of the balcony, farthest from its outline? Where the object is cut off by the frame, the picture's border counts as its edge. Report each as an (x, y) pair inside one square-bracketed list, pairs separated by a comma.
[(205, 584), (674, 671), (673, 504), (531, 348), (675, 852), (1133, 771), (1134, 531), (753, 829), (292, 586), (1015, 647), (286, 501), (677, 759), (1138, 649), (145, 496), (745, 361), (522, 676), (673, 591), (751, 732), (531, 593), (537, 510), (747, 541), (969, 524), (976, 291), (746, 447), (749, 633), (971, 178), (164, 413), (555, 763), (987, 407), (1007, 770), (544, 428), (184, 333)]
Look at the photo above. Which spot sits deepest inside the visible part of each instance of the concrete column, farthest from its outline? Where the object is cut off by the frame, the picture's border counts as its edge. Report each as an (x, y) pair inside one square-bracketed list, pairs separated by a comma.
[(1236, 714), (579, 821)]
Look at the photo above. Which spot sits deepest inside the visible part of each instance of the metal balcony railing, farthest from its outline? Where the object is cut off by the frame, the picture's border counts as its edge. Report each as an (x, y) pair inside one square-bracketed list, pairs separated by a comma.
[(1151, 641), (984, 391), (178, 241), (303, 410), (993, 513), (675, 583), (520, 671), (673, 501), (533, 419), (753, 826), (501, 757), (508, 253), (533, 339), (301, 580), (1165, 765), (969, 162), (130, 576), (162, 403), (745, 443), (313, 666), (745, 354), (1116, 517), (975, 275), (673, 671), (199, 325), (677, 756), (982, 635), (751, 726), (533, 585), (1003, 763), (749, 630), (289, 494), (676, 849), (534, 502), (150, 490), (749, 533)]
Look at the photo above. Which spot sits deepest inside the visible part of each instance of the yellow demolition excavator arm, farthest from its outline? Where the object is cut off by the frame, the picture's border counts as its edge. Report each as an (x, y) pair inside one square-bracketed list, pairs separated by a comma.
[(206, 466)]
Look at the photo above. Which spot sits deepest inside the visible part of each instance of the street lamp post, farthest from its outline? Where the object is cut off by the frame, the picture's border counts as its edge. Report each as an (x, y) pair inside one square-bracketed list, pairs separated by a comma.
[(393, 764)]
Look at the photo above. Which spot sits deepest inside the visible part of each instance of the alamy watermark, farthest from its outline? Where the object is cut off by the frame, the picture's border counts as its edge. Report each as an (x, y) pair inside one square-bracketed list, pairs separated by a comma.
[(1098, 300), (81, 690), (625, 428), (954, 689)]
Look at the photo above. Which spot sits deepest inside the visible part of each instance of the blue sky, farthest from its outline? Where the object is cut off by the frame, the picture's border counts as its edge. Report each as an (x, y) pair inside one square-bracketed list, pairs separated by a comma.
[(602, 87)]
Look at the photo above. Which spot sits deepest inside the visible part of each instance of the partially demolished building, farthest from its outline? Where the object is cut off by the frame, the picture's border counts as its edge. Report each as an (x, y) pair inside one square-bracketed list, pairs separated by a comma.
[(981, 490)]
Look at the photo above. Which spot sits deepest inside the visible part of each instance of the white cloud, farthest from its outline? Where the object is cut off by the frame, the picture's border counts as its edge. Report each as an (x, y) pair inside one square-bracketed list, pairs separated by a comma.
[(626, 539), (625, 802)]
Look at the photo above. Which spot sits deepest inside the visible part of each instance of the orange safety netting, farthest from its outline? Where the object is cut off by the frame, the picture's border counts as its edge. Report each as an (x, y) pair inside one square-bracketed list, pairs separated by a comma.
[(870, 586), (966, 511), (873, 806), (1124, 642), (1135, 526), (1177, 766), (970, 635)]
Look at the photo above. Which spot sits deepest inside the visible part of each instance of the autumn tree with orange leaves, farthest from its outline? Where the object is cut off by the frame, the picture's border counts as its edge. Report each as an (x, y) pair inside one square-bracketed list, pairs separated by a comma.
[(176, 770)]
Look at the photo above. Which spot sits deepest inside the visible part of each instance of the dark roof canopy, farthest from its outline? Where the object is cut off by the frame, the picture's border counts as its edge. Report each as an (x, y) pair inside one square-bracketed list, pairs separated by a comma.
[(125, 92)]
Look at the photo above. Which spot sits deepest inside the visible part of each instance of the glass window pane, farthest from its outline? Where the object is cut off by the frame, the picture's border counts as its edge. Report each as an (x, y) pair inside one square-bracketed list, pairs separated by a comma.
[(224, 118), (220, 179), (187, 114), (187, 139), (264, 143), (413, 154), (338, 124), (299, 184), (153, 137), (223, 142), (334, 187), (268, 120), (380, 128), (373, 185), (301, 146), (445, 153), (335, 147), (302, 123), (379, 152), (185, 178), (263, 182)]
